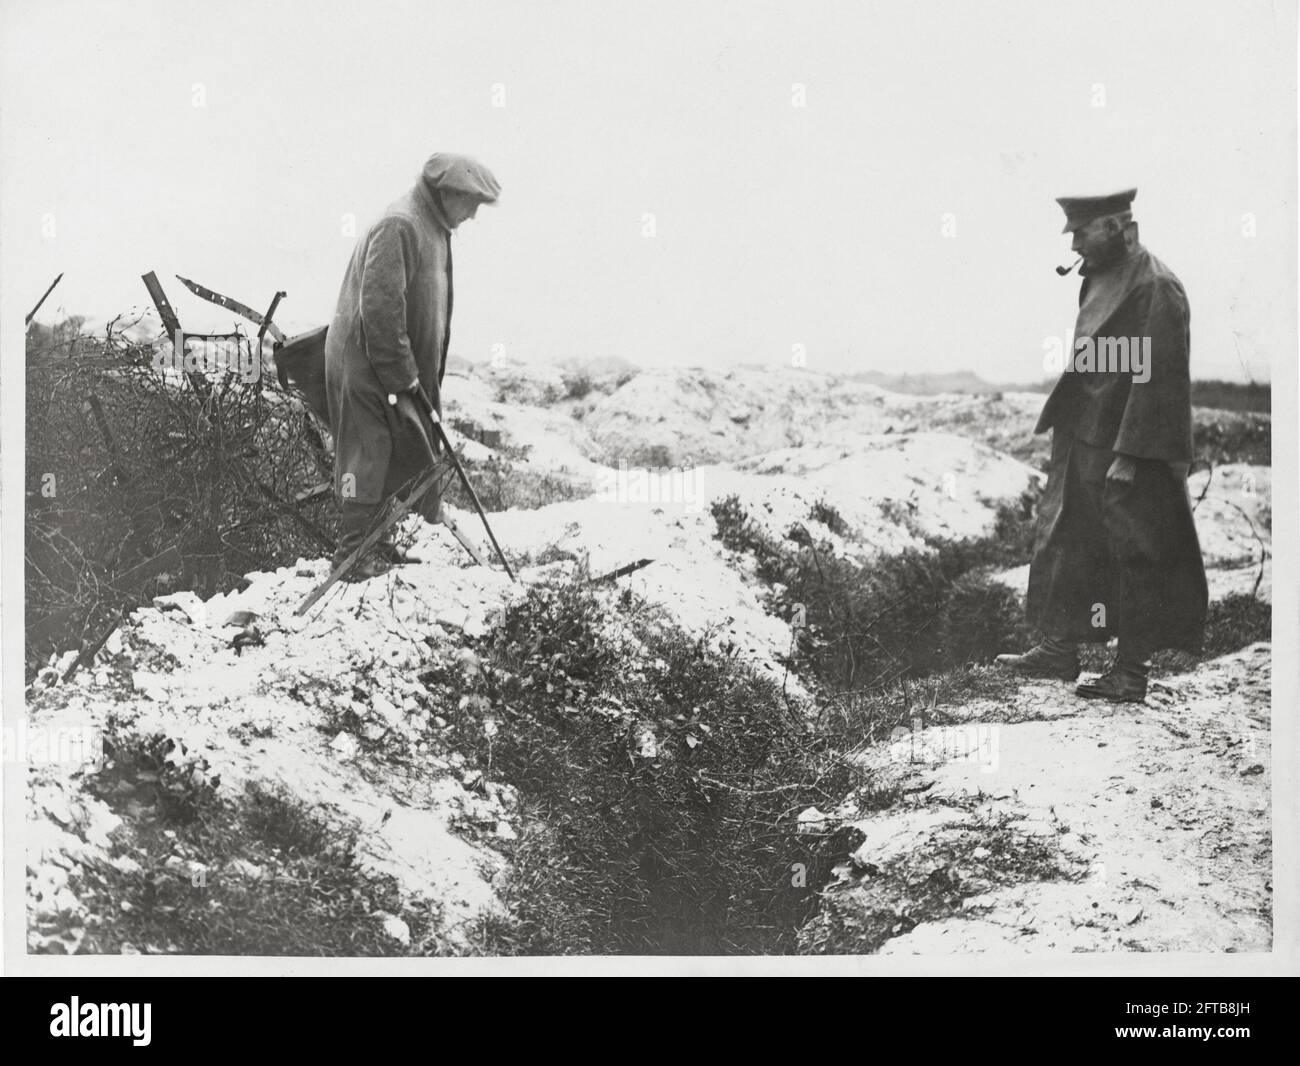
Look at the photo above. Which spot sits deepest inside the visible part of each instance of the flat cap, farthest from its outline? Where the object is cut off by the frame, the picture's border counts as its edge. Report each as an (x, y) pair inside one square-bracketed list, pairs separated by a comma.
[(448, 170), (1080, 210)]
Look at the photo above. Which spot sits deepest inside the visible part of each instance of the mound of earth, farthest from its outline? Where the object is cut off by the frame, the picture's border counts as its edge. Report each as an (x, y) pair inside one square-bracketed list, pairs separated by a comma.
[(1100, 828), (671, 416)]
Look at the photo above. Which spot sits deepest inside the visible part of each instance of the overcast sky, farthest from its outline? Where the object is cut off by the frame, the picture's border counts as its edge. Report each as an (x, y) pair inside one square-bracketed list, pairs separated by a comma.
[(229, 141)]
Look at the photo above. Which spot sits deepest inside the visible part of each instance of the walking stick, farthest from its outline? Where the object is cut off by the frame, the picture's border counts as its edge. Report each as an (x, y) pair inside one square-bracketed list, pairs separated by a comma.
[(402, 507), (464, 478)]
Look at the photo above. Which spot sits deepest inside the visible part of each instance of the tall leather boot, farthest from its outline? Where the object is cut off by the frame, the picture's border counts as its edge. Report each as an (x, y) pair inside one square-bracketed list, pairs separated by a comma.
[(427, 507), (430, 506), (354, 523)]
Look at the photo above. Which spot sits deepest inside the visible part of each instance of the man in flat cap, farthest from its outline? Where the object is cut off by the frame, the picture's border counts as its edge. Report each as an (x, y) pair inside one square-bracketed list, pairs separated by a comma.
[(388, 341), (1116, 552)]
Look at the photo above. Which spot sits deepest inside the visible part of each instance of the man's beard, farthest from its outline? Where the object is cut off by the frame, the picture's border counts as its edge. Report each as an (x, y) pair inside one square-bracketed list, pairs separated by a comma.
[(1113, 249)]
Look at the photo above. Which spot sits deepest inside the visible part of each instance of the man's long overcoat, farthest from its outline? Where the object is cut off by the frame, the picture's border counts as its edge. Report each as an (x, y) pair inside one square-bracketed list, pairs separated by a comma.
[(391, 328), (1114, 558)]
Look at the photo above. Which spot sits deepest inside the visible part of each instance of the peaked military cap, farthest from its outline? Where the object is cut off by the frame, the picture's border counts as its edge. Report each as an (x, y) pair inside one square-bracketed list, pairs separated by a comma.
[(1080, 210)]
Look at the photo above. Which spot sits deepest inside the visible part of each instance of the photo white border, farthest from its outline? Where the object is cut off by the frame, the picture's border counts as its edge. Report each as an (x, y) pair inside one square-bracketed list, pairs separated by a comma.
[(1284, 959)]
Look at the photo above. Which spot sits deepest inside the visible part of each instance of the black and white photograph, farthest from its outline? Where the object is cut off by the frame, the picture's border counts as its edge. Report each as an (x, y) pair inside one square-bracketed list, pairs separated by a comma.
[(616, 488)]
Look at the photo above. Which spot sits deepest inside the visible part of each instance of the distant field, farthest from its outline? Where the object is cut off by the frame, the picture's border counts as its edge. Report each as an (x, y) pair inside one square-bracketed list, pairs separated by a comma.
[(1224, 395), (1233, 396)]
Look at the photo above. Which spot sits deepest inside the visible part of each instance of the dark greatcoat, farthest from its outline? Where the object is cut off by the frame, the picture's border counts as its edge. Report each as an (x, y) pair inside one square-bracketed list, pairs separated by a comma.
[(390, 328), (1130, 548)]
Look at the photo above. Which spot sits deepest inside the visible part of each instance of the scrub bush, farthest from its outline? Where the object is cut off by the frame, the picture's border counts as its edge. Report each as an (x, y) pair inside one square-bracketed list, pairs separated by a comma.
[(661, 778)]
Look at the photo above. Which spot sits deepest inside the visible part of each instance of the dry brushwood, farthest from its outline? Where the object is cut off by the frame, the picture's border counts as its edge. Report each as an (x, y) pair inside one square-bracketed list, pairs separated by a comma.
[(142, 481)]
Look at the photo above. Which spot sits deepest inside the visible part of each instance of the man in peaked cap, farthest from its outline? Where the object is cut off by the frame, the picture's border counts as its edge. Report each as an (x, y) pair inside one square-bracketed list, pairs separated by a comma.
[(388, 340), (1116, 552)]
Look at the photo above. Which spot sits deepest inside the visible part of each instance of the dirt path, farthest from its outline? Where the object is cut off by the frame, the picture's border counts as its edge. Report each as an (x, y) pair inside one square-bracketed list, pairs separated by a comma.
[(1051, 824)]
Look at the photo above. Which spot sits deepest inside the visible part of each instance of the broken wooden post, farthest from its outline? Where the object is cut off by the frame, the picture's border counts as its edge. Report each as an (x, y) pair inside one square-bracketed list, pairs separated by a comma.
[(622, 571), (32, 313), (166, 315), (261, 333), (240, 309), (398, 510), (88, 655), (110, 442), (172, 325)]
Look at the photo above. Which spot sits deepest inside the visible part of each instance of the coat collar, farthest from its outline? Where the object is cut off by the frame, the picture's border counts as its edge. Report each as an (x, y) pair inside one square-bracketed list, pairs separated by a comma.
[(429, 204), (1102, 293)]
